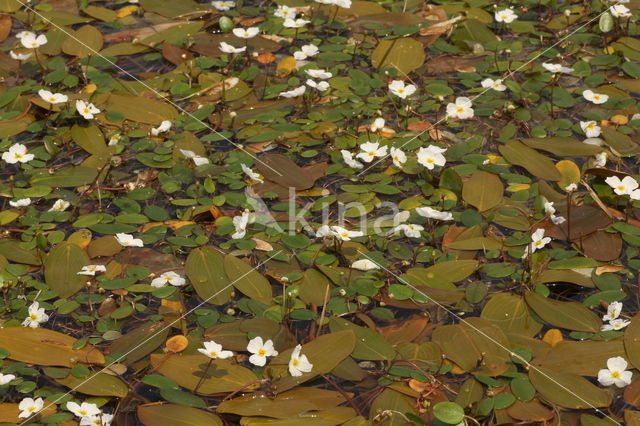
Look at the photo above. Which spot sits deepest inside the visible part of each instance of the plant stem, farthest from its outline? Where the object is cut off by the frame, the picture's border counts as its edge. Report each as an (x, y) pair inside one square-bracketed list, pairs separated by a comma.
[(206, 371)]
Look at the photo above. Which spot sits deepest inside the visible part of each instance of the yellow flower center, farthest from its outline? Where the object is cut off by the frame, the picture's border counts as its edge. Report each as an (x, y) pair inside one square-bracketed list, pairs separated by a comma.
[(212, 353), (371, 153), (430, 160), (86, 111), (538, 243), (33, 317), (262, 352), (400, 90), (52, 99), (31, 409), (460, 109), (295, 362), (344, 234), (615, 374), (620, 188), (18, 156)]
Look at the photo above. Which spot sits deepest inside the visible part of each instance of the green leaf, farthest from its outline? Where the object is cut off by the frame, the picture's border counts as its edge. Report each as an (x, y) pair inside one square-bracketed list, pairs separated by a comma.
[(205, 269), (99, 384), (61, 269), (449, 412), (370, 345), (175, 415), (568, 390), (247, 279), (569, 315), (511, 313), (483, 190), (404, 54), (537, 164)]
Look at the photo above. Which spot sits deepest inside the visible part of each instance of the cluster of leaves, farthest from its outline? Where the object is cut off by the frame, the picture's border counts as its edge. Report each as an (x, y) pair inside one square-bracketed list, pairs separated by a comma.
[(143, 143)]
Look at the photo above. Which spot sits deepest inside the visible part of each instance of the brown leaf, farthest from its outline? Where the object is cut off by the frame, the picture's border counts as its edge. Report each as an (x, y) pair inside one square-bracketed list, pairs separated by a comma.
[(174, 54), (632, 393), (5, 26), (419, 126), (177, 343)]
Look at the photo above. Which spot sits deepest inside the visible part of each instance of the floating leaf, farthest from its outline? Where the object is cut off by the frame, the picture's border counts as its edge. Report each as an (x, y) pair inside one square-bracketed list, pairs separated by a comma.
[(175, 415), (535, 163), (247, 279), (632, 341), (511, 314), (569, 315), (99, 384), (61, 269), (584, 358), (283, 171), (404, 54), (86, 41), (41, 346), (369, 344), (205, 269), (473, 341), (483, 190), (187, 370), (568, 390), (140, 342)]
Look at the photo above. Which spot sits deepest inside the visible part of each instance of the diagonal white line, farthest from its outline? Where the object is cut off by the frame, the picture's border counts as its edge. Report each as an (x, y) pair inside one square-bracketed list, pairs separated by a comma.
[(500, 345), (164, 98), (106, 367), (504, 77)]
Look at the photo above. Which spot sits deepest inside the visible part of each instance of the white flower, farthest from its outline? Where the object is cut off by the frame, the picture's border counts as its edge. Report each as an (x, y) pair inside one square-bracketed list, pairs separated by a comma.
[(321, 86), (620, 11), (347, 157), (548, 208), (23, 34), (85, 409), (616, 324), (35, 316), (113, 140), (590, 128), (571, 187), (293, 93), (401, 216), (299, 364), (30, 41), (615, 373), (29, 406), (494, 84), (601, 159), (378, 124), (306, 51), (127, 240), (344, 234), (557, 220), (227, 48), (60, 205), (325, 1), (6, 378), (371, 150), (285, 12), (431, 156), (252, 175), (92, 269), (260, 350), (410, 230), (324, 231), (321, 74), (197, 160), (295, 23), (398, 156), (613, 311), (163, 127), (168, 278), (538, 241), (596, 98), (345, 4), (626, 186), (223, 5), (17, 153), (246, 33), (214, 350), (22, 202), (364, 265), (557, 68), (506, 15), (240, 223), (86, 110), (460, 109), (430, 213), (19, 56), (103, 419), (398, 88), (52, 98)]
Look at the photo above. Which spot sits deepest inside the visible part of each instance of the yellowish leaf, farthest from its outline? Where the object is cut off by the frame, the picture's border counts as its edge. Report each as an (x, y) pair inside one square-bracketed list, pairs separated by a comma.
[(553, 337)]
